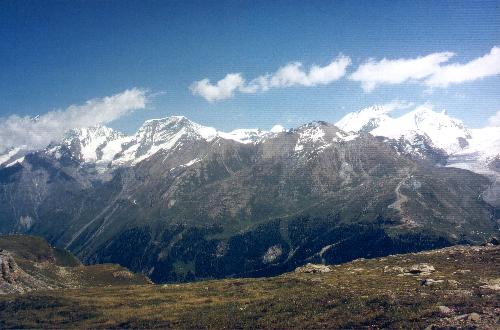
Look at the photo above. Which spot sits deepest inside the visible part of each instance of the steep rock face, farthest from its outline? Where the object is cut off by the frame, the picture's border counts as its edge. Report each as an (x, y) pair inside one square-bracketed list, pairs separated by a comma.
[(89, 145), (189, 203), (13, 279)]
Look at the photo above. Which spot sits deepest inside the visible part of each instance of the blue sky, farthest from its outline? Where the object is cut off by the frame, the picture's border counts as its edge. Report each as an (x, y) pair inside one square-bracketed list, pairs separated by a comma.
[(54, 54)]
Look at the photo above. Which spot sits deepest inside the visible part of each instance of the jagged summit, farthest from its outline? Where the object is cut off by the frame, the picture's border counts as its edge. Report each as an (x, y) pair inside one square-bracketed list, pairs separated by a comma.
[(153, 128), (92, 144), (421, 133)]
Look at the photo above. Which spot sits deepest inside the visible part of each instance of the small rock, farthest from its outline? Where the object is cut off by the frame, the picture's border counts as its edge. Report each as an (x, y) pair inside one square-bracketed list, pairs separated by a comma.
[(421, 268), (474, 317), (395, 269), (492, 284), (444, 309), (430, 281), (313, 269)]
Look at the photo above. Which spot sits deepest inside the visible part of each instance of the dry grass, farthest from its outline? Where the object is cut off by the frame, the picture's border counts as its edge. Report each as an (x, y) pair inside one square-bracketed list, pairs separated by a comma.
[(353, 295)]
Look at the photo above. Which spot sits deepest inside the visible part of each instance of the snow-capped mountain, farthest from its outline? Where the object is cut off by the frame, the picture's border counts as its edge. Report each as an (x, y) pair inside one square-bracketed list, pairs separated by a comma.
[(245, 135), (171, 132), (173, 186), (89, 145), (364, 120), (161, 134), (482, 152), (445, 132), (318, 135), (12, 156), (423, 132), (103, 146)]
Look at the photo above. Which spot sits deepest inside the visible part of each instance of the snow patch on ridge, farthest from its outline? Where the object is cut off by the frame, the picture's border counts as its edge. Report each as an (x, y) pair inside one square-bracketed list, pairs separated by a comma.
[(309, 134), (10, 157), (244, 135)]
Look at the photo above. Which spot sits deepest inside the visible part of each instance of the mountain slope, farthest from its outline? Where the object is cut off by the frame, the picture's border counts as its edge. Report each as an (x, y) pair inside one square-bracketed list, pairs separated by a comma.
[(29, 263), (188, 203), (448, 288)]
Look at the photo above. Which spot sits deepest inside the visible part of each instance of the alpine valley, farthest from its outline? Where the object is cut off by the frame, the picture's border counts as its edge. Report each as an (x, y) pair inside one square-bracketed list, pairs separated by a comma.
[(178, 201)]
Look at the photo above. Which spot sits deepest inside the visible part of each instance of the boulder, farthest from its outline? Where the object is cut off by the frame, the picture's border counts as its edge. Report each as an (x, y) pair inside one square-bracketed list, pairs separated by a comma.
[(313, 268), (444, 309), (474, 317), (421, 269), (430, 282)]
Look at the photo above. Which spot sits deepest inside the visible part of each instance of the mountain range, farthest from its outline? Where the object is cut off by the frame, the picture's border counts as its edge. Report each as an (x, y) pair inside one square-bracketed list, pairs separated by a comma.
[(179, 201)]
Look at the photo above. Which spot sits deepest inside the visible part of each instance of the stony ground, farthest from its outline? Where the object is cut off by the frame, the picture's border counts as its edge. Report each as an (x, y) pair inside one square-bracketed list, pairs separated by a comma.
[(447, 288)]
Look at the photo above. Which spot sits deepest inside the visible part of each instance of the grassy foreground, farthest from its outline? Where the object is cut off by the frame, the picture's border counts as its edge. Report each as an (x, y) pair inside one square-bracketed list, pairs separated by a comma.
[(375, 293)]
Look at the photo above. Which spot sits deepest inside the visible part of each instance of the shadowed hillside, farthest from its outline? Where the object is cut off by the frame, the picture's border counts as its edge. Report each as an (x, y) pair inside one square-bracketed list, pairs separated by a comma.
[(29, 263)]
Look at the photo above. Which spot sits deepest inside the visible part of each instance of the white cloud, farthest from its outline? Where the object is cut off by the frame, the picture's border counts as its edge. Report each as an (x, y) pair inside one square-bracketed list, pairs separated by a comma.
[(433, 70), (495, 119), (373, 73), (292, 74), (38, 132), (223, 89), (455, 73)]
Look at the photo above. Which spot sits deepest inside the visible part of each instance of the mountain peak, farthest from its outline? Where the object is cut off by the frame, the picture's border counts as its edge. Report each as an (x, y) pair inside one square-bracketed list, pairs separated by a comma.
[(167, 120), (87, 144), (89, 132), (278, 129), (364, 120)]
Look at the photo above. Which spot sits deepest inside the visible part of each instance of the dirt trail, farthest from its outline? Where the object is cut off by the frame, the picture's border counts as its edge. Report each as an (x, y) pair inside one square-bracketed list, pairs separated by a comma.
[(400, 200)]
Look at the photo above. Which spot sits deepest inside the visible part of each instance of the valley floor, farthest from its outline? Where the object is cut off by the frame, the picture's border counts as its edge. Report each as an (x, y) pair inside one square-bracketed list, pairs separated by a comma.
[(451, 287)]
